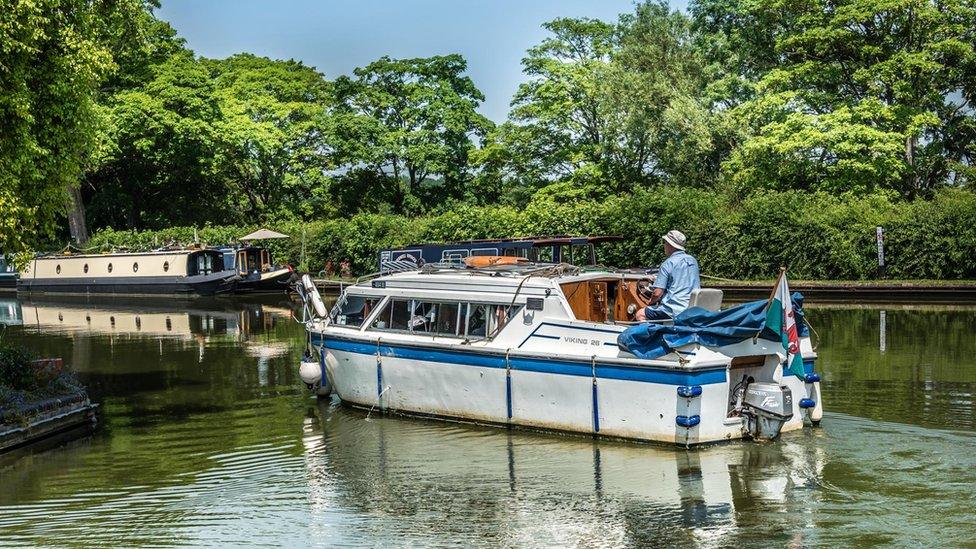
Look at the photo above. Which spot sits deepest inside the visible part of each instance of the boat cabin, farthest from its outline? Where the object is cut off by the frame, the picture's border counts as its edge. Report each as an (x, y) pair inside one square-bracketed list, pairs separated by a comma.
[(248, 259)]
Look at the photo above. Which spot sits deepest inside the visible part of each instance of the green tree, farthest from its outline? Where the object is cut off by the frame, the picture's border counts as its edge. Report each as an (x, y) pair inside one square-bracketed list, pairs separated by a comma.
[(53, 55), (273, 132), (160, 144), (612, 106), (849, 95), (410, 120)]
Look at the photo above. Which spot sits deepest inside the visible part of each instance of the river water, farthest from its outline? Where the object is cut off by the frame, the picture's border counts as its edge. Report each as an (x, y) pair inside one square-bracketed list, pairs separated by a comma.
[(207, 437)]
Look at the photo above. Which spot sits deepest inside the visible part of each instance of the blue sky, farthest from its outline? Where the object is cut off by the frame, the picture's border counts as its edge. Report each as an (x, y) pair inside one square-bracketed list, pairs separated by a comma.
[(335, 37)]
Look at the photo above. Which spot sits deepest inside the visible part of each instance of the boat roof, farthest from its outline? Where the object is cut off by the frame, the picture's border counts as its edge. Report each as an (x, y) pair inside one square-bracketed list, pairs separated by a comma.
[(178, 251), (501, 279), (534, 240)]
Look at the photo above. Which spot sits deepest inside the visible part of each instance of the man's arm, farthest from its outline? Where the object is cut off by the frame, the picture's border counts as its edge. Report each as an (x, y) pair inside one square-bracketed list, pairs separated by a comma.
[(656, 296)]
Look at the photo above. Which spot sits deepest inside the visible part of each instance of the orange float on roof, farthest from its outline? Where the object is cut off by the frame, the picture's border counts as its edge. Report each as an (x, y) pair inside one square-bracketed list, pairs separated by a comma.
[(480, 261)]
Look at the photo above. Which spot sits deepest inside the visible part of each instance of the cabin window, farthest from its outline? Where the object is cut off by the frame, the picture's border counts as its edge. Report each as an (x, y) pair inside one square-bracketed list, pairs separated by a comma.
[(135, 267), (426, 317), (165, 266), (206, 263), (446, 320), (434, 318), (395, 316), (58, 269), (354, 310), (484, 320), (478, 317), (86, 268), (109, 267)]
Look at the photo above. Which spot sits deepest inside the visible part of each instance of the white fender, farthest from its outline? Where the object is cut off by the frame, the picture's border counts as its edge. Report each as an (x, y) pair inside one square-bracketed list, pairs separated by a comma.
[(313, 295), (310, 371)]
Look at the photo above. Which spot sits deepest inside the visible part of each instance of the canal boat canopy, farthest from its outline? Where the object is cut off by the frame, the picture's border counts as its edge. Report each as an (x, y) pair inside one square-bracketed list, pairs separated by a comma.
[(263, 234)]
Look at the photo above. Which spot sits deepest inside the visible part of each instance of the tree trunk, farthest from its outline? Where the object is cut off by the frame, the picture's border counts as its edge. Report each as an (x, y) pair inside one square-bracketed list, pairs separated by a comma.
[(914, 183), (76, 217)]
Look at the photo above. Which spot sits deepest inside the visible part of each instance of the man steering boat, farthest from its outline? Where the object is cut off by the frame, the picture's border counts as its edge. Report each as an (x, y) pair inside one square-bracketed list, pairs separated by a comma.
[(677, 278)]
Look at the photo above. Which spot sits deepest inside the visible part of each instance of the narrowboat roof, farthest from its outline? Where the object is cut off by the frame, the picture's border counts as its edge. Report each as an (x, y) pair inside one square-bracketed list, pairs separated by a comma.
[(534, 240), (181, 251)]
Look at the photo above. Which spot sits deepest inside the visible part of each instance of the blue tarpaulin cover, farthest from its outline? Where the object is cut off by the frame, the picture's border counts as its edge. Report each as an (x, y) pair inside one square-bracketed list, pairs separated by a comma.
[(711, 328)]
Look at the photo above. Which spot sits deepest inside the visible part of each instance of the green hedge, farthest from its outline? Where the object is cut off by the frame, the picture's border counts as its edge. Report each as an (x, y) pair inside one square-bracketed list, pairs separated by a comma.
[(816, 236)]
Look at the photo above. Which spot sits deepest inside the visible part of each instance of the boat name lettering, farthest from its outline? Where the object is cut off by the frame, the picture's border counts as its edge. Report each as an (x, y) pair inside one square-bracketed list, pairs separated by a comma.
[(582, 340)]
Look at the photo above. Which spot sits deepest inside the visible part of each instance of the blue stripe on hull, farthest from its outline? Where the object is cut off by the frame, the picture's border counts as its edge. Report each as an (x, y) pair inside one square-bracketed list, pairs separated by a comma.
[(540, 365)]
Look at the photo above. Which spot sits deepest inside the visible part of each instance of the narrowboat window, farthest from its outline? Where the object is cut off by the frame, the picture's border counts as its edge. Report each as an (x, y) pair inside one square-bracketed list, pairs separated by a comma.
[(354, 310), (86, 268), (205, 264), (109, 267), (165, 266), (135, 267), (58, 269)]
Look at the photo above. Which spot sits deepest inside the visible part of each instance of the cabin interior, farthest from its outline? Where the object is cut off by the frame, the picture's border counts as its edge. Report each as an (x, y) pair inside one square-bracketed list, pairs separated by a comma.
[(251, 260), (617, 300), (607, 299)]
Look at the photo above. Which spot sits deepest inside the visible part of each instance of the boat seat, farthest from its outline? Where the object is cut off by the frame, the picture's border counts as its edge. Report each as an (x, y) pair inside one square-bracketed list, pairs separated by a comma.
[(707, 298)]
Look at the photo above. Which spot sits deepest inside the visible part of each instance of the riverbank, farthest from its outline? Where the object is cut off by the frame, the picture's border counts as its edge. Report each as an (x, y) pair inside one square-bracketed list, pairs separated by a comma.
[(40, 399), (821, 291), (855, 291)]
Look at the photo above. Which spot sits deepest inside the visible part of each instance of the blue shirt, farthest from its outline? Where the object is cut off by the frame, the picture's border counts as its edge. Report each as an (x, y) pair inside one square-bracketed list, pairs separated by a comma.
[(678, 277)]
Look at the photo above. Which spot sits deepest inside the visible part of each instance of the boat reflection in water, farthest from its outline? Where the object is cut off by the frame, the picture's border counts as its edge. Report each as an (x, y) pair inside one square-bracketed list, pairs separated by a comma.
[(553, 489), (199, 321)]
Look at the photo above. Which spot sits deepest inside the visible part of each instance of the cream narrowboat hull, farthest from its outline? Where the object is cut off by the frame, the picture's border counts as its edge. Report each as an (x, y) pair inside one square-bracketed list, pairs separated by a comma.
[(199, 285), (266, 282)]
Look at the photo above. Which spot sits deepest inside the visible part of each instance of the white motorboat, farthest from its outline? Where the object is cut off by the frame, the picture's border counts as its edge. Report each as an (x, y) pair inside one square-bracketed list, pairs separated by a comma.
[(536, 346)]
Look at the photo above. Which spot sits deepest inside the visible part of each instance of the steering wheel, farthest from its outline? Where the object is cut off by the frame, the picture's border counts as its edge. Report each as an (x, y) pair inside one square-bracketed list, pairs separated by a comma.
[(640, 294)]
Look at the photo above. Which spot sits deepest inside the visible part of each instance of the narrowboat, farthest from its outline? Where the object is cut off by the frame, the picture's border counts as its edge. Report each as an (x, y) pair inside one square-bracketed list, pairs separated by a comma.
[(189, 272), (256, 271), (576, 250), (538, 346)]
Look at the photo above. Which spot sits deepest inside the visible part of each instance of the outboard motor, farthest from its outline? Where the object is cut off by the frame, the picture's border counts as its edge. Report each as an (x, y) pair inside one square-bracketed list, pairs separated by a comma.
[(766, 407)]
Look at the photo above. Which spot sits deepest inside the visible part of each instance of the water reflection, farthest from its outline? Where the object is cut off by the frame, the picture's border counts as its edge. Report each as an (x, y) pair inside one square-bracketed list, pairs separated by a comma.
[(514, 487), (208, 438)]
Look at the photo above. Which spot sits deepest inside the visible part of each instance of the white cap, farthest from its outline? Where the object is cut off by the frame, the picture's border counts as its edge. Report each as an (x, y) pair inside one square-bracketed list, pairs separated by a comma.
[(676, 239)]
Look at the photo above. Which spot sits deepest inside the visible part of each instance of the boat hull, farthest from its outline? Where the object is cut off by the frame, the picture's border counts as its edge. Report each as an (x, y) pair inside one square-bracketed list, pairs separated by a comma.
[(272, 282), (201, 285), (8, 281), (576, 396)]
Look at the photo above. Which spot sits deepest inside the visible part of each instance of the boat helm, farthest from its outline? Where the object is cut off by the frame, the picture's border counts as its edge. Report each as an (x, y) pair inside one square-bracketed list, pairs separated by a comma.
[(766, 407)]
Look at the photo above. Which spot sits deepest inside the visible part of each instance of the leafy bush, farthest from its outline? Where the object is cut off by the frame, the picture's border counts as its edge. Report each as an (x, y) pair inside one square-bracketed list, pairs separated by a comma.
[(816, 235), (22, 382), (15, 369)]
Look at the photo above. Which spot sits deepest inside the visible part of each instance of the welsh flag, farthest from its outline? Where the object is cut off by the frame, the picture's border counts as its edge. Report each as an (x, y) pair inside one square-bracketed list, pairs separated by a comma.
[(780, 319)]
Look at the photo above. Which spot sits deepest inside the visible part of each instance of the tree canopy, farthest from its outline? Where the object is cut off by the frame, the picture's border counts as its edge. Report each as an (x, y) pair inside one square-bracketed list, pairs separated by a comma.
[(108, 117), (53, 55)]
